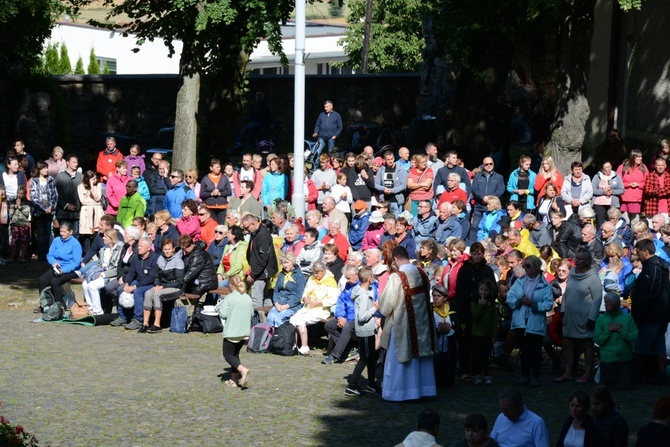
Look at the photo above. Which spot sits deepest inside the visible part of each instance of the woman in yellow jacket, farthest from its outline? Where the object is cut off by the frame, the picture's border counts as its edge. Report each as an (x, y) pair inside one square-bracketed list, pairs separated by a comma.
[(234, 259)]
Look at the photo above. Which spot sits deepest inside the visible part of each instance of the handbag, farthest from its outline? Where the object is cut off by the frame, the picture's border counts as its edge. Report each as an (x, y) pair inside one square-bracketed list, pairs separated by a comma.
[(79, 310)]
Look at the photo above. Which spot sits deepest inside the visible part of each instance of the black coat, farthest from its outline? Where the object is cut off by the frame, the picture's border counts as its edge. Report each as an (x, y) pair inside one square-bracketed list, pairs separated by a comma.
[(467, 290), (568, 239), (261, 255), (592, 438), (198, 265), (650, 293)]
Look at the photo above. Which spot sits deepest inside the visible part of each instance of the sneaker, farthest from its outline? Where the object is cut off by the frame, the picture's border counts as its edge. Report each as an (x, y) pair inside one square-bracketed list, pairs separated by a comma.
[(133, 325), (353, 356), (478, 380), (154, 329), (244, 378), (534, 382), (352, 390), (328, 360), (488, 380), (304, 350), (118, 322), (373, 389), (143, 329)]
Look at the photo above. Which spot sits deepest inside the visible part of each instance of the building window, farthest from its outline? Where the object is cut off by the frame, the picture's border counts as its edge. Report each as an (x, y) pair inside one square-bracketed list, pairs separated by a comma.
[(327, 69), (111, 64)]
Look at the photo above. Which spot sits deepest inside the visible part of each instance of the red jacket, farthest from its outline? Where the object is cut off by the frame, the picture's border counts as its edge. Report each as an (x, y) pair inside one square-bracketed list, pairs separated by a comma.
[(452, 274), (115, 190), (341, 242), (106, 165)]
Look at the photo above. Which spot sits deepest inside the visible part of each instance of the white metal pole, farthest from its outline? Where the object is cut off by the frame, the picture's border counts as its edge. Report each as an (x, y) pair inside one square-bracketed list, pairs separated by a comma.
[(298, 198)]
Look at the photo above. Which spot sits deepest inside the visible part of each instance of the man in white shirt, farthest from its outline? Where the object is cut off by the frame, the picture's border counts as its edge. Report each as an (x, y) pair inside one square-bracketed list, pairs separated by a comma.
[(517, 426)]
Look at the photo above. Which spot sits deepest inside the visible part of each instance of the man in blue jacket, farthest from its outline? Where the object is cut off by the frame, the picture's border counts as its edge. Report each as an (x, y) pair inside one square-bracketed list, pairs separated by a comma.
[(485, 184), (328, 128), (341, 328), (139, 279), (177, 194)]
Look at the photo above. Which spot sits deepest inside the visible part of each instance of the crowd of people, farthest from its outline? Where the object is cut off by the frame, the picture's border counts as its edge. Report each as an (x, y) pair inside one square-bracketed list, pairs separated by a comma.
[(437, 267)]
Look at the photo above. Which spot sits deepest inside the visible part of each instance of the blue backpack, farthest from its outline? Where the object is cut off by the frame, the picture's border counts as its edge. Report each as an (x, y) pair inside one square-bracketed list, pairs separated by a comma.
[(179, 317)]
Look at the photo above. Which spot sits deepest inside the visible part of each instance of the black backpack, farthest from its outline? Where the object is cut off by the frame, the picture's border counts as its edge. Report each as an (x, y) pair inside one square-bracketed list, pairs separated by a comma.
[(283, 340)]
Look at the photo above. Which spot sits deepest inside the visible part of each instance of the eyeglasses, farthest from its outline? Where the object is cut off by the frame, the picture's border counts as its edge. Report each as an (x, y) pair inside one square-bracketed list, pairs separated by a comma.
[(202, 214), (190, 176), (488, 164), (174, 176), (217, 231)]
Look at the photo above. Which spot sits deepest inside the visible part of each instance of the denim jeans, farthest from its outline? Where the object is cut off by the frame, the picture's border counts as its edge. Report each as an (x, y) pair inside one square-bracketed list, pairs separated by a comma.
[(321, 145), (276, 318)]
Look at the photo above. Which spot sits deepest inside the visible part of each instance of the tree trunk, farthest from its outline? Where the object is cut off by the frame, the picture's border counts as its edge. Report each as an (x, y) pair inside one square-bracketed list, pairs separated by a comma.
[(572, 110), (186, 114)]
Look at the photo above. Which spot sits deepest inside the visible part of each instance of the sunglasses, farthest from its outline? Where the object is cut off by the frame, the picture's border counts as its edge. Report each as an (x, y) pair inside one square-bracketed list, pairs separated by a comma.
[(174, 176), (488, 164), (190, 176), (202, 214), (217, 231)]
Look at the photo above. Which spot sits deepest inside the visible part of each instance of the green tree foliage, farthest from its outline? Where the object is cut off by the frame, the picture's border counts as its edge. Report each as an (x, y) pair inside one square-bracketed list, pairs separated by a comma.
[(93, 65), (105, 68), (335, 8), (396, 33), (51, 64), (24, 26), (79, 67), (65, 67), (627, 5)]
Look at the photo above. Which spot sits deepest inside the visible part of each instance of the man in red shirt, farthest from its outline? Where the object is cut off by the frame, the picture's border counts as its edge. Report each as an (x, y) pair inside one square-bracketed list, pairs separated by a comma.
[(107, 158), (453, 192)]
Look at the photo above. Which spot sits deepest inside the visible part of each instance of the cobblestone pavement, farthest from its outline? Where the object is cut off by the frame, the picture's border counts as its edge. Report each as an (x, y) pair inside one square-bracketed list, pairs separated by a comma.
[(103, 386)]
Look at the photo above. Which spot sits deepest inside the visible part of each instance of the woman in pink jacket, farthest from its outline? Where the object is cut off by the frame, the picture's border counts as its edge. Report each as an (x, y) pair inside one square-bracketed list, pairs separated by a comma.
[(633, 173), (189, 222), (116, 187)]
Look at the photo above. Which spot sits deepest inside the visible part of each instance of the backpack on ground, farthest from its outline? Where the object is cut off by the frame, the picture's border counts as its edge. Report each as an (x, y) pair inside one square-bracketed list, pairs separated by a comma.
[(207, 324), (68, 295), (46, 297), (178, 319), (54, 312), (260, 338), (283, 340)]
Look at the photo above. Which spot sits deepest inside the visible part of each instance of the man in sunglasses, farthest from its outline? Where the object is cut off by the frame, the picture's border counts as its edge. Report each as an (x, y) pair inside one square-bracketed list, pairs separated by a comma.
[(178, 192), (486, 183), (207, 225)]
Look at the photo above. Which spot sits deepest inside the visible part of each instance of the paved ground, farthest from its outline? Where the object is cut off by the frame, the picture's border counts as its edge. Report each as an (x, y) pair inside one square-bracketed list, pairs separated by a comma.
[(104, 386)]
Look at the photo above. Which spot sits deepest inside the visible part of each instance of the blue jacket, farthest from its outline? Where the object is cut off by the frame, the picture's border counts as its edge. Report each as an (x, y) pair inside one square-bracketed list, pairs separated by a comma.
[(290, 292), (345, 308), (423, 229), (512, 184), (175, 197), (409, 243), (533, 318), (143, 188), (275, 186), (449, 228), (142, 271), (487, 185), (464, 220), (359, 224), (489, 226), (328, 125), (66, 252)]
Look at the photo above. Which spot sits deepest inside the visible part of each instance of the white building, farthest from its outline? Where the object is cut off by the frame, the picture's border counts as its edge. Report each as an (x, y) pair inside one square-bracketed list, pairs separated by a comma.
[(321, 49)]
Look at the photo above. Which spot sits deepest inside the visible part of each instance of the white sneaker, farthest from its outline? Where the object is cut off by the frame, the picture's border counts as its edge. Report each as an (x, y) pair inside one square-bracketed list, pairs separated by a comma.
[(304, 350)]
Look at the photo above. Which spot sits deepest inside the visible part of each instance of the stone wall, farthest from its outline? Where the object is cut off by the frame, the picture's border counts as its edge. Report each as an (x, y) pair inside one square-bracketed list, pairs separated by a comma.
[(138, 106)]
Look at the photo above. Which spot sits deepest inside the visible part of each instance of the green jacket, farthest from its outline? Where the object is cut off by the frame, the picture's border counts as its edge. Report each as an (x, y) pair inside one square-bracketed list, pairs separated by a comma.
[(238, 260), (484, 320), (615, 346), (237, 309), (130, 208)]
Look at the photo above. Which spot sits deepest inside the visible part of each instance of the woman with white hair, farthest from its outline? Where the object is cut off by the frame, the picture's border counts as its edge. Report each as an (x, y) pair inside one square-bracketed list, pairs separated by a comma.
[(55, 163), (320, 295)]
